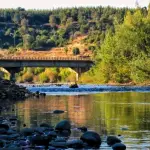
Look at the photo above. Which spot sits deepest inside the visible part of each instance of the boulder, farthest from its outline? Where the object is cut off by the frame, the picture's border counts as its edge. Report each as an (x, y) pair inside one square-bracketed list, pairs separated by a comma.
[(73, 85), (76, 144), (111, 140), (92, 139), (119, 146), (63, 125), (27, 131)]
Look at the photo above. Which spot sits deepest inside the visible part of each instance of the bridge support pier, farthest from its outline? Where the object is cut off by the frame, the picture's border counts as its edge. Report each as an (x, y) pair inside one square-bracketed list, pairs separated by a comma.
[(79, 71), (13, 71)]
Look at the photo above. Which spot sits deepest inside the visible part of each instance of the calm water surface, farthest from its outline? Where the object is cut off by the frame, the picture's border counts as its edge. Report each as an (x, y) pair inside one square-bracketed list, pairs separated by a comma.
[(114, 113)]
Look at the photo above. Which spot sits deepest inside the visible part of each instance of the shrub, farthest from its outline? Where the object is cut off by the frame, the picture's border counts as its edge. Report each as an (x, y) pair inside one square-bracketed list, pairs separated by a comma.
[(27, 77), (76, 51), (43, 77)]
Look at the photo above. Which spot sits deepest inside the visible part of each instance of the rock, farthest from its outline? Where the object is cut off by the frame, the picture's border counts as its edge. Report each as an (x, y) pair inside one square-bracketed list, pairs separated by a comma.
[(3, 131), (2, 143), (40, 140), (119, 146), (111, 140), (73, 85), (58, 111), (58, 144), (52, 134), (64, 133), (82, 129), (45, 125), (63, 125), (77, 144), (27, 131), (92, 139), (4, 126)]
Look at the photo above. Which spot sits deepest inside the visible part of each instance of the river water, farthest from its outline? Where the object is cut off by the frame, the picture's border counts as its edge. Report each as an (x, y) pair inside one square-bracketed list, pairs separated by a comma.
[(108, 112)]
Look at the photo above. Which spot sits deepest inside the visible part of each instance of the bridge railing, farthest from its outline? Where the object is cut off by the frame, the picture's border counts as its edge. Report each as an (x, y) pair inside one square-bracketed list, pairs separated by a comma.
[(79, 58)]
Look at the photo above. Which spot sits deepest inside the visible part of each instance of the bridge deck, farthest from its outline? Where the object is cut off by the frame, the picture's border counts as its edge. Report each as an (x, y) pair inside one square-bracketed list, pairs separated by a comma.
[(26, 58)]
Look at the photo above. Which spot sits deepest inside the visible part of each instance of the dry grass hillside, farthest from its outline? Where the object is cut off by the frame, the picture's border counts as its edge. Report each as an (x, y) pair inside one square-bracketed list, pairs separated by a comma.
[(55, 52)]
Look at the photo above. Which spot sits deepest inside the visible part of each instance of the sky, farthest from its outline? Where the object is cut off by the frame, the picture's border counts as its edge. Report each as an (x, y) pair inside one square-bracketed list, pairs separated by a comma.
[(50, 4)]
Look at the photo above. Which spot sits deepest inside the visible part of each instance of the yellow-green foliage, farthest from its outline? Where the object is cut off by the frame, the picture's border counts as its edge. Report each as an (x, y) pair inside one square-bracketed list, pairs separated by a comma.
[(27, 77), (43, 78), (124, 54)]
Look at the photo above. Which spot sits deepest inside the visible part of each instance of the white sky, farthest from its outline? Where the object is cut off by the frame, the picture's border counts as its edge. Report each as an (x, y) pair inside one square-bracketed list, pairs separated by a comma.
[(50, 4)]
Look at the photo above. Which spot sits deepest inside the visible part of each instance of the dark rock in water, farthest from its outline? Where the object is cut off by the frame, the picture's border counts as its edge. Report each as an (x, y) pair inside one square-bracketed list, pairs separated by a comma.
[(3, 131), (73, 85), (2, 143), (64, 133), (13, 136), (111, 140), (51, 148), (52, 134), (92, 139), (77, 144), (45, 125), (13, 118), (27, 131), (58, 144), (10, 131), (63, 125), (119, 146), (82, 129), (4, 126), (43, 94), (39, 147), (3, 137), (40, 140), (58, 111), (60, 139)]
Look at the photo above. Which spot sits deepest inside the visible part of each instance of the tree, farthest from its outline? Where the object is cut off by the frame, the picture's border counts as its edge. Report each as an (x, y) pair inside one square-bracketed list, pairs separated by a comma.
[(76, 51)]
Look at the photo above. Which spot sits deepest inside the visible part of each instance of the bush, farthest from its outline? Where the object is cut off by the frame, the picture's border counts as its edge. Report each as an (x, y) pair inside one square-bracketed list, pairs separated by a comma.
[(76, 51), (43, 78), (27, 77)]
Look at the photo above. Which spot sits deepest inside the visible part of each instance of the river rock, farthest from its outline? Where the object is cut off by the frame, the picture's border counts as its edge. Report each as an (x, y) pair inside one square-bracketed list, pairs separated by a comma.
[(76, 144), (111, 140), (63, 125), (40, 140), (58, 111), (45, 125), (4, 126), (2, 143), (92, 139), (27, 131), (119, 146), (58, 144), (73, 85)]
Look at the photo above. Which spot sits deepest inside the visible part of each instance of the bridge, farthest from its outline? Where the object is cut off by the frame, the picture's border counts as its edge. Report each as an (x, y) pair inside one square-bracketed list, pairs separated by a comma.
[(15, 63)]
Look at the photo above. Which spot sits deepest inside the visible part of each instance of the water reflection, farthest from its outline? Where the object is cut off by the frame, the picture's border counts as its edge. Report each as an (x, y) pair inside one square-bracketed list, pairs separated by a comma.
[(127, 114)]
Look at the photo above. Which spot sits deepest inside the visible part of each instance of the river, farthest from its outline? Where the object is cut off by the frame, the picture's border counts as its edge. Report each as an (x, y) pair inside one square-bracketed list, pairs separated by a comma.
[(125, 112)]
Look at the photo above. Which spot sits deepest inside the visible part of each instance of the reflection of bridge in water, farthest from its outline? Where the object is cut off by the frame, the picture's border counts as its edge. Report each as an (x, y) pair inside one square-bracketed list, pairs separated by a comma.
[(15, 63)]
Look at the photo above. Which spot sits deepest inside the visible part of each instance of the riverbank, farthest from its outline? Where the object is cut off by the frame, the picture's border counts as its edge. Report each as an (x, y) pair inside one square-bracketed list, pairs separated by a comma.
[(9, 90)]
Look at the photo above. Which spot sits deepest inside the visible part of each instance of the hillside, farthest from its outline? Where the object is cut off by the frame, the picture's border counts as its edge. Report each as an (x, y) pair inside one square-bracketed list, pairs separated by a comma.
[(54, 52)]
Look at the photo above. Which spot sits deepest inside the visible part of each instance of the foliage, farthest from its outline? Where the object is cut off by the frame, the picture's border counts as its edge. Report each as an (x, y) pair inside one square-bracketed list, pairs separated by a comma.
[(43, 78), (42, 29), (76, 51), (124, 55)]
